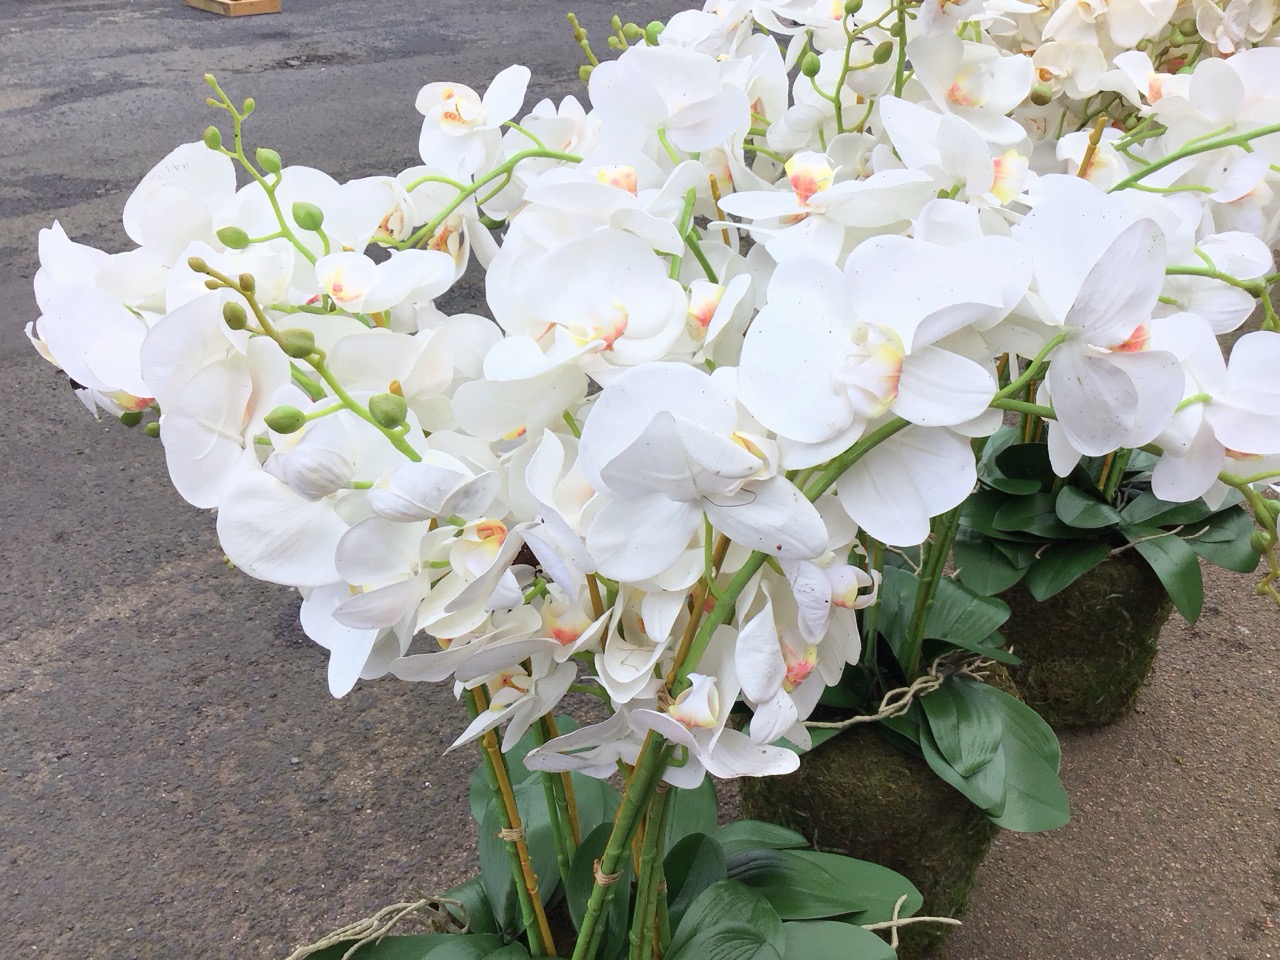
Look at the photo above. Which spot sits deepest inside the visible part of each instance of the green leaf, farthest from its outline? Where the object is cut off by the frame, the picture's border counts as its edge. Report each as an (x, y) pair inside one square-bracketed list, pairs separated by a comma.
[(731, 941), (445, 946), (1021, 722), (1147, 508), (1033, 514), (832, 940), (981, 566), (728, 904), (1028, 461), (986, 789), (582, 879), (797, 888), (1175, 563), (691, 811), (495, 871), (743, 835), (475, 913), (980, 510), (1062, 564), (694, 864), (1035, 799), (966, 733), (1224, 541), (1078, 509), (960, 614), (879, 888)]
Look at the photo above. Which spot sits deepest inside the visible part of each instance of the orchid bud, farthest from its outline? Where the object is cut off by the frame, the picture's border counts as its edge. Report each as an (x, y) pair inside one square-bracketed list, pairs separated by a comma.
[(234, 315), (1260, 541), (211, 80), (633, 31), (882, 52), (268, 159), (584, 72), (233, 238), (1273, 508), (851, 7), (152, 429), (285, 419), (131, 418), (388, 409), (212, 138), (307, 215), (212, 284), (247, 283), (1187, 27), (248, 106), (652, 31), (896, 29), (1041, 94), (297, 342), (810, 64), (197, 264), (1178, 38)]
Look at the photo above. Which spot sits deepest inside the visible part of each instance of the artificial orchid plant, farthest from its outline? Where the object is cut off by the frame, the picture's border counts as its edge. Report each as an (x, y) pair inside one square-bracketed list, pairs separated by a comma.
[(753, 309)]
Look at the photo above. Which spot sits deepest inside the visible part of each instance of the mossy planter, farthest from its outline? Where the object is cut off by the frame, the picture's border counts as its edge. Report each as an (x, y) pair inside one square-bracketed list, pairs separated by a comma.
[(1087, 651), (860, 795)]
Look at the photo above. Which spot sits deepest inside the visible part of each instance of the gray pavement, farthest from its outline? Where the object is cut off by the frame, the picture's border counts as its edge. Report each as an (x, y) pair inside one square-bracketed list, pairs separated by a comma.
[(175, 780)]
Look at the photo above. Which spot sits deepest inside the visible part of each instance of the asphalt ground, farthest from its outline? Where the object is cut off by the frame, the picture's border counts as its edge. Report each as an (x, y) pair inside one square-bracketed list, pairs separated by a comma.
[(176, 782)]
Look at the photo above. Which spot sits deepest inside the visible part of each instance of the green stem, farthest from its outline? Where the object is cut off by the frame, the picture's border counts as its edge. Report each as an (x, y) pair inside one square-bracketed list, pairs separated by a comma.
[(552, 789), (1033, 369), (650, 872), (1193, 148), (635, 799), (871, 615), (1022, 406), (932, 565)]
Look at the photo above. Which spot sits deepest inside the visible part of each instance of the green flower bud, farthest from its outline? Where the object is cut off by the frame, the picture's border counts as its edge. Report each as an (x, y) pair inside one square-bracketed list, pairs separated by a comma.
[(810, 64), (388, 409), (1177, 38), (234, 316), (896, 29), (851, 7), (1188, 27), (212, 138), (297, 342), (248, 106), (285, 419), (233, 237), (633, 31), (1144, 45), (247, 283), (268, 159), (1259, 541), (211, 80), (1041, 94), (652, 31), (307, 215), (197, 264), (131, 418), (882, 52), (152, 429), (584, 72), (212, 284), (1273, 508)]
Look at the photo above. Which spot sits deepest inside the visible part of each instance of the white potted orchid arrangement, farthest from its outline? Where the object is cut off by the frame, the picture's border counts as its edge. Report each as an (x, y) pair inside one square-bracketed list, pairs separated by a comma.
[(753, 310)]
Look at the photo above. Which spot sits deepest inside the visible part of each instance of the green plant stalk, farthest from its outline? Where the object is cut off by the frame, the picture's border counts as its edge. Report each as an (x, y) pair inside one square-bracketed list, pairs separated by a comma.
[(1192, 149), (935, 561), (648, 877), (1022, 406), (555, 808), (871, 615), (1262, 516), (900, 71), (635, 800), (566, 781), (1115, 473), (533, 917)]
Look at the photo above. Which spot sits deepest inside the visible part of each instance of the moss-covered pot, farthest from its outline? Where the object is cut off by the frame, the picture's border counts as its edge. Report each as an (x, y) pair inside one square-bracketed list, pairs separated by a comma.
[(861, 795), (1087, 651)]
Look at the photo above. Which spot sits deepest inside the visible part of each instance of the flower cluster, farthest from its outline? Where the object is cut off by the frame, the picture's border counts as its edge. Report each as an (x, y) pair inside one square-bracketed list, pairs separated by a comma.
[(750, 306)]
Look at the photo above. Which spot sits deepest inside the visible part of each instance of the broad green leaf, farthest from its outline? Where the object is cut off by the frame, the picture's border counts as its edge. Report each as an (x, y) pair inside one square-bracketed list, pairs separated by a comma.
[(743, 835), (797, 888), (967, 734), (465, 947), (1148, 509), (981, 566), (512, 951), (878, 887), (475, 912), (728, 904), (730, 941), (832, 940), (1077, 508), (479, 793), (691, 811), (1021, 721), (1035, 799), (960, 614), (1062, 564), (1223, 540), (694, 864), (582, 879), (986, 789), (1027, 461), (495, 871), (458, 946), (1033, 514), (1175, 563), (597, 801)]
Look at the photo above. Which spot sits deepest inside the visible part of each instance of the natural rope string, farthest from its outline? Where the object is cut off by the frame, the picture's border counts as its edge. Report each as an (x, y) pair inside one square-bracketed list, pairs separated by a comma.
[(897, 702)]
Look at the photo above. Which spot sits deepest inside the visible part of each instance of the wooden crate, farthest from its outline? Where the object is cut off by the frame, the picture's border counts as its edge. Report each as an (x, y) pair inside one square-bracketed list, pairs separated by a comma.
[(236, 8)]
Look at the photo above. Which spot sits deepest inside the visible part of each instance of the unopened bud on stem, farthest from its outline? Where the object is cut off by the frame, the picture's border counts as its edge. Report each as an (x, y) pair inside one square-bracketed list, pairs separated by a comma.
[(234, 315), (810, 64), (285, 419), (388, 409), (307, 215), (882, 52), (233, 238), (297, 342), (268, 160), (197, 264), (212, 138), (152, 429), (247, 283), (131, 418)]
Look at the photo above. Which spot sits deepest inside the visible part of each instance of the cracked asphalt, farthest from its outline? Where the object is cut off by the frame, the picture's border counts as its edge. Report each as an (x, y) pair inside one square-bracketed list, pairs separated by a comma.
[(176, 782)]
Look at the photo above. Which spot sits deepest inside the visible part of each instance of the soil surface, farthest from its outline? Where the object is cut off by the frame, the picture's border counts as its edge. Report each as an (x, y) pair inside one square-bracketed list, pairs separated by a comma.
[(176, 782)]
